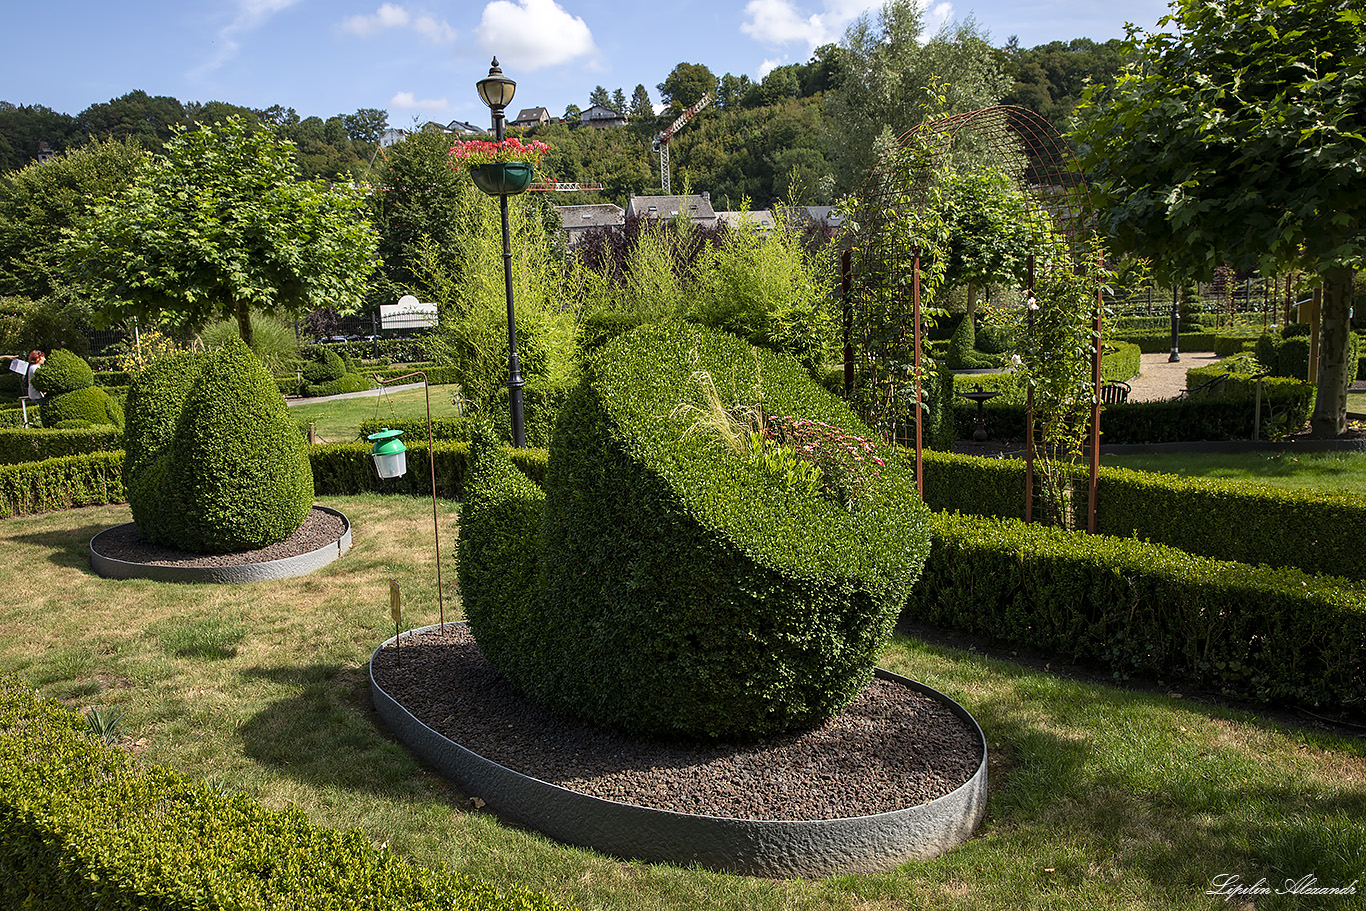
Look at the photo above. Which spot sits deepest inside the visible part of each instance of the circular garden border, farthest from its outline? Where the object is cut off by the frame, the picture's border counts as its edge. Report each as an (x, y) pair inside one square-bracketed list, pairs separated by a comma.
[(759, 847), (229, 574)]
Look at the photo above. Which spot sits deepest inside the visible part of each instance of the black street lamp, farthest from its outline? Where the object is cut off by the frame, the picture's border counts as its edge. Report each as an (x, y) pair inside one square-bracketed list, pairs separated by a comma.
[(496, 90)]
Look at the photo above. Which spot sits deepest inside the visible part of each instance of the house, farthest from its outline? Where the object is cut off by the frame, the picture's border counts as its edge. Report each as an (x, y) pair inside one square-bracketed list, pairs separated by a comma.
[(466, 129), (760, 218), (801, 216), (696, 207), (579, 219), (530, 117), (600, 117), (392, 136)]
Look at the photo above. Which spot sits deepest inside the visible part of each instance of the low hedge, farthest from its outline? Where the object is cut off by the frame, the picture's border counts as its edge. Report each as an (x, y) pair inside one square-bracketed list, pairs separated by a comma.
[(1203, 417), (1161, 342), (64, 482), (436, 375), (1141, 609), (18, 445), (459, 429), (1230, 520), (84, 827)]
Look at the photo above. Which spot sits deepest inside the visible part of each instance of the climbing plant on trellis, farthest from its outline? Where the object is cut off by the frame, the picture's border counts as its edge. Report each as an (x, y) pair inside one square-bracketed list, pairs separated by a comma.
[(895, 270)]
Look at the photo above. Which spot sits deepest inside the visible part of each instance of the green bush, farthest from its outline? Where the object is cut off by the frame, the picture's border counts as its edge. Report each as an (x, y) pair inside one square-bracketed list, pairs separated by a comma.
[(1121, 361), (599, 327), (1135, 608), (86, 827), (1161, 342), (36, 445), (63, 482), (348, 382), (63, 372), (91, 405), (342, 469), (322, 365), (460, 429), (215, 462), (667, 556), (961, 354)]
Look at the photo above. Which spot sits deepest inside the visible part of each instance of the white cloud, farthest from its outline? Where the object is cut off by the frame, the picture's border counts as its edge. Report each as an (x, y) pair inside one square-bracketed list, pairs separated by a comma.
[(782, 22), (249, 15), (409, 100), (530, 34), (392, 16), (769, 66), (936, 17)]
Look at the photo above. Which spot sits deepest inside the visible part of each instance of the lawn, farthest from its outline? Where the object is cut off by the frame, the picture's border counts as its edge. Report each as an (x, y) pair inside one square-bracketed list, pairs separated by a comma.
[(338, 420), (1331, 472), (1100, 797)]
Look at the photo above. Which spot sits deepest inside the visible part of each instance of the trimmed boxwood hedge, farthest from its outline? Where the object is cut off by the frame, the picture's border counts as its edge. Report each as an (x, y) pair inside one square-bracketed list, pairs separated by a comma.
[(685, 592), (84, 827), (63, 482), (1314, 532), (1161, 342), (33, 445), (1134, 608)]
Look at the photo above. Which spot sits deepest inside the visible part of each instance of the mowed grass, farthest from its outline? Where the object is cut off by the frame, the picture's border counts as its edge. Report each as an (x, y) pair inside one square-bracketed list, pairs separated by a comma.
[(1328, 472), (338, 420), (1101, 798)]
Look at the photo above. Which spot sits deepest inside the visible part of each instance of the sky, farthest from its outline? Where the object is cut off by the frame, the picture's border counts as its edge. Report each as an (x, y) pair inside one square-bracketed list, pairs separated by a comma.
[(419, 59)]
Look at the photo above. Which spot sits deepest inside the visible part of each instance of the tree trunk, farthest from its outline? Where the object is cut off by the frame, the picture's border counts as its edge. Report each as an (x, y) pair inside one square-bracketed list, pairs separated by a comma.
[(1335, 374), (244, 322), (972, 304)]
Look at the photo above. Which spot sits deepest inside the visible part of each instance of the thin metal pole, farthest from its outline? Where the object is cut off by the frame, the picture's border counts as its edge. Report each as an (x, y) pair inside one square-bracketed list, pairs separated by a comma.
[(919, 408), (431, 465), (515, 381), (1029, 419), (1175, 356), (846, 280), (1092, 495)]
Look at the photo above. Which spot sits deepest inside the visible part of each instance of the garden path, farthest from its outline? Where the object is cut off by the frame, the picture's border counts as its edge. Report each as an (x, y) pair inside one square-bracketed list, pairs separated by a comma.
[(1159, 379)]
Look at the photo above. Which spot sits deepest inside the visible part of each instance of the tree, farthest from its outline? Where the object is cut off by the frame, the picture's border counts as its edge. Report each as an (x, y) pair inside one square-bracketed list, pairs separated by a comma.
[(887, 78), (599, 95), (219, 225), (151, 120), (23, 127), (618, 101), (366, 125), (686, 85), (1239, 141), (641, 106), (572, 111)]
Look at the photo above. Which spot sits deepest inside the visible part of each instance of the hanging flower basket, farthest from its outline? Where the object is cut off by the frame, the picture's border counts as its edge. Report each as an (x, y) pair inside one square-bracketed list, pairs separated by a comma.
[(503, 178)]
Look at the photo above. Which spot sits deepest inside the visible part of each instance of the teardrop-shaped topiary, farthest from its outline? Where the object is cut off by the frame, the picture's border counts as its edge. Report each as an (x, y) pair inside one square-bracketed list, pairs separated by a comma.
[(214, 462), (63, 372)]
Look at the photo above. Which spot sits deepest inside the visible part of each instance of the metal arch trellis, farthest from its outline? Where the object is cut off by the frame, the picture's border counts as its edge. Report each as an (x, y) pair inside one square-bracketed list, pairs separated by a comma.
[(893, 252)]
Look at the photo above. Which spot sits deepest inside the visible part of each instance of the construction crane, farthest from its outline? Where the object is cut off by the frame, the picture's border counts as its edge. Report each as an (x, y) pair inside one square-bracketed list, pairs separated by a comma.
[(661, 143)]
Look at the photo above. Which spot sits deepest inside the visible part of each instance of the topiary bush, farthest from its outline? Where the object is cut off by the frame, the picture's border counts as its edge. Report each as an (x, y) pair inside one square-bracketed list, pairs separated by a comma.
[(961, 354), (71, 398), (63, 372), (684, 588), (214, 461)]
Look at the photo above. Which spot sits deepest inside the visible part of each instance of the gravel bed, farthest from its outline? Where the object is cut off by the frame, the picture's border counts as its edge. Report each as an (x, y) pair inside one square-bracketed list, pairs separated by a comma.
[(892, 747), (320, 528)]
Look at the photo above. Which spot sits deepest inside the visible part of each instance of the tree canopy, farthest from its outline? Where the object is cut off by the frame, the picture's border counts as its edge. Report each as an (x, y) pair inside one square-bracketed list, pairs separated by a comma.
[(1239, 140), (218, 226)]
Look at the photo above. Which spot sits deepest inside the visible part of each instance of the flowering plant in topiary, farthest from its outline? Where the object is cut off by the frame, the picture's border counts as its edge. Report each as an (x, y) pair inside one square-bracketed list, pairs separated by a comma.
[(471, 153)]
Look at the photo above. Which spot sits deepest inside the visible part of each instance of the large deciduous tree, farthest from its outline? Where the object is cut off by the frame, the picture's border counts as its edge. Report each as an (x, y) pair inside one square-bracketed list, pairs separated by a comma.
[(1241, 140), (219, 226)]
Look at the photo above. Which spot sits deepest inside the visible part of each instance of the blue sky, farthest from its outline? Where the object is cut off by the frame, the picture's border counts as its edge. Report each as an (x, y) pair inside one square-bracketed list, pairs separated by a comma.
[(419, 59)]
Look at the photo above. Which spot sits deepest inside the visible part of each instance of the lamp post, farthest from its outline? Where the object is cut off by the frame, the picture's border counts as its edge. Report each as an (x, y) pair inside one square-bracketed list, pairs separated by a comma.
[(496, 90), (391, 461)]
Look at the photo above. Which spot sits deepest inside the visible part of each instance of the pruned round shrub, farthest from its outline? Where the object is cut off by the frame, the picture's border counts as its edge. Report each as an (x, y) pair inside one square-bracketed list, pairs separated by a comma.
[(90, 406), (322, 365), (63, 372), (685, 588), (214, 461)]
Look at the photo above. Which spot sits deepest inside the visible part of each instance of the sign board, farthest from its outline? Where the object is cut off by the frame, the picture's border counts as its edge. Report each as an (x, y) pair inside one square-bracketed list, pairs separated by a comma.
[(408, 313)]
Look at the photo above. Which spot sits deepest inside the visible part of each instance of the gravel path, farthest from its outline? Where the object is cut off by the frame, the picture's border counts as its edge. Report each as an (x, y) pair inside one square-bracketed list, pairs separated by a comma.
[(1159, 379), (891, 748)]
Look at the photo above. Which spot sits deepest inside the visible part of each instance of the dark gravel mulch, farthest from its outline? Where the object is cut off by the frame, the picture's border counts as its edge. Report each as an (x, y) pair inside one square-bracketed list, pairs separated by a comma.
[(891, 748), (318, 530)]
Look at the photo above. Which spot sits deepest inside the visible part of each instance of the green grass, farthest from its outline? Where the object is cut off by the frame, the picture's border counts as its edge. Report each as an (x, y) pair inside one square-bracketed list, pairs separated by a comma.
[(1330, 472), (338, 420), (1101, 798)]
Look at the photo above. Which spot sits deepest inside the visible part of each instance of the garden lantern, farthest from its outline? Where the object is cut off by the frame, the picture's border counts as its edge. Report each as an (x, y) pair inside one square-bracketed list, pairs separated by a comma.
[(496, 90), (391, 456)]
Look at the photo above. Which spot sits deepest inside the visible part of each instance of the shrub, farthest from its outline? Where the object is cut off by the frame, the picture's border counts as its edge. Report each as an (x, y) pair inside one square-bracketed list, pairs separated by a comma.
[(341, 469), (322, 365), (62, 482), (1134, 608), (215, 462), (63, 372), (961, 354), (85, 827), (1161, 342), (36, 445), (91, 406), (666, 556)]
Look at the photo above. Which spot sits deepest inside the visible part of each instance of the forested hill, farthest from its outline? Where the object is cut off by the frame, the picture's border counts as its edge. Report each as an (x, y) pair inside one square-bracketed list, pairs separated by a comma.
[(805, 133)]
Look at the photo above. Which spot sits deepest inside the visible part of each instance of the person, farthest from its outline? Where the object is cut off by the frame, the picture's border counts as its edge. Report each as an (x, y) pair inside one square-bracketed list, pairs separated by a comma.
[(35, 360)]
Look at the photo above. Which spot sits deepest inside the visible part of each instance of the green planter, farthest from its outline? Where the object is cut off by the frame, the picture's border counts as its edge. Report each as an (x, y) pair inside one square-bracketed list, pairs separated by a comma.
[(503, 178)]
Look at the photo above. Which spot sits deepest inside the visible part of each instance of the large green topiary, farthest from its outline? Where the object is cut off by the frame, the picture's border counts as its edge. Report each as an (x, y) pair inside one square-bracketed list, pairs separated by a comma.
[(214, 461), (685, 589)]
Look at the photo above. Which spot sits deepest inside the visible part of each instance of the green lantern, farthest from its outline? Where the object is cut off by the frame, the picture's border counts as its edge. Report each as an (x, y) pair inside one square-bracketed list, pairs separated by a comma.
[(391, 456)]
